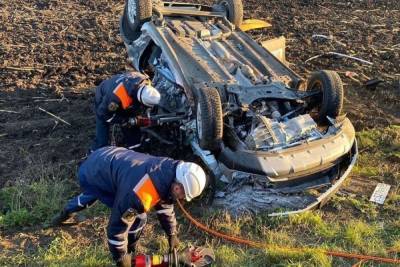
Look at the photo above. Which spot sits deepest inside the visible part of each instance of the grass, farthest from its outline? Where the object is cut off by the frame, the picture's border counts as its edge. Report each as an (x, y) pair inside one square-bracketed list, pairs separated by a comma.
[(387, 138), (26, 204), (358, 234), (379, 157), (314, 221), (274, 256), (351, 223), (63, 250)]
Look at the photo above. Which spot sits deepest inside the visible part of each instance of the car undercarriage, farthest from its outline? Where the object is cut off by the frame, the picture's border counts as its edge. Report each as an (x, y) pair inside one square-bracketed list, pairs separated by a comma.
[(273, 141)]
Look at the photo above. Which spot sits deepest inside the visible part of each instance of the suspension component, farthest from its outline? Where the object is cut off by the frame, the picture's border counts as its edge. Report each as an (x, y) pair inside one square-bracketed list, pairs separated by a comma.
[(141, 121)]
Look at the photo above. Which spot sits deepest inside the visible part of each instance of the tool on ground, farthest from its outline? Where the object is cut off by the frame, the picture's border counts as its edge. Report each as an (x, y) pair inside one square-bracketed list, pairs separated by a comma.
[(191, 256), (251, 243)]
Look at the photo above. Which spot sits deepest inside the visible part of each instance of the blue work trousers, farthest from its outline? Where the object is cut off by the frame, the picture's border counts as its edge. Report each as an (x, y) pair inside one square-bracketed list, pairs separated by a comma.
[(102, 138), (131, 135), (86, 199)]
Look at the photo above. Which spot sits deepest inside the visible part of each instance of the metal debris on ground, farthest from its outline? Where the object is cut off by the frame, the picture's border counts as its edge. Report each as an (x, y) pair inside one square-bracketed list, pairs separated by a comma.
[(322, 36), (380, 193), (352, 75), (54, 116), (330, 38), (9, 111), (373, 83), (253, 24), (339, 55)]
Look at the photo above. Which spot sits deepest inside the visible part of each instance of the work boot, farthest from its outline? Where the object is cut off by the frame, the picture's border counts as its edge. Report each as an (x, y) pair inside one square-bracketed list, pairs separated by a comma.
[(60, 218), (132, 248)]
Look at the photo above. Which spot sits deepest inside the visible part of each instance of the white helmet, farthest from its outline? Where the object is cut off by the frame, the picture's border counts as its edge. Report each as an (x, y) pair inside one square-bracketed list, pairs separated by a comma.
[(148, 95), (192, 177)]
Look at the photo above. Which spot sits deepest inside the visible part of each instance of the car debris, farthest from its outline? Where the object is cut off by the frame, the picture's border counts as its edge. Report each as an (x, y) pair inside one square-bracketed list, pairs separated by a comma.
[(9, 111), (276, 140), (352, 76), (277, 47), (340, 55), (323, 37), (54, 116), (372, 84), (254, 24), (380, 193)]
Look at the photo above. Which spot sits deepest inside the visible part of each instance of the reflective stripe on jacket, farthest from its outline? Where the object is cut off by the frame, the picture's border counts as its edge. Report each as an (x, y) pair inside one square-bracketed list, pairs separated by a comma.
[(129, 181), (120, 89)]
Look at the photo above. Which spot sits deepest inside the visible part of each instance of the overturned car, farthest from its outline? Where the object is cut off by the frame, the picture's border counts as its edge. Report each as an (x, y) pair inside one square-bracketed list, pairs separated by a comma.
[(278, 143)]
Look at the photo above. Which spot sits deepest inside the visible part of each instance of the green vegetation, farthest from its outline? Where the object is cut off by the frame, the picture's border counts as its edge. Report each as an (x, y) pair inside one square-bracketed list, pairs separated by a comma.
[(65, 250), (274, 256), (387, 138), (355, 224), (18, 217), (29, 204), (315, 223), (379, 158), (359, 234)]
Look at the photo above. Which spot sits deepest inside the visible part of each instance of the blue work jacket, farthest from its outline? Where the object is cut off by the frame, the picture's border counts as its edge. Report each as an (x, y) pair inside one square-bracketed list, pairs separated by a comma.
[(129, 183), (119, 94)]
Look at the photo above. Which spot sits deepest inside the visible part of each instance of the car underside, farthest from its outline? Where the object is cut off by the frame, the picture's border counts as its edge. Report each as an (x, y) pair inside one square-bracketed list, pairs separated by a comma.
[(274, 141)]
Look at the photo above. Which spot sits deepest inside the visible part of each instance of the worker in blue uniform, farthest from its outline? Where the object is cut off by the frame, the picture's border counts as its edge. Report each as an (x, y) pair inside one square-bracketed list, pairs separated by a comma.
[(116, 100), (131, 184)]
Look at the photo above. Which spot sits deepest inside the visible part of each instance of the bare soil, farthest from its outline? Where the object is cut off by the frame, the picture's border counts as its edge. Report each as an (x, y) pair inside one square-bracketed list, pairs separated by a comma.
[(53, 53)]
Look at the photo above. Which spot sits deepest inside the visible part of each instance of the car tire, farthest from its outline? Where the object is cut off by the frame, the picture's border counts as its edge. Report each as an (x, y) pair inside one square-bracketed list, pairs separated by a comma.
[(330, 100), (209, 122), (136, 12), (234, 11)]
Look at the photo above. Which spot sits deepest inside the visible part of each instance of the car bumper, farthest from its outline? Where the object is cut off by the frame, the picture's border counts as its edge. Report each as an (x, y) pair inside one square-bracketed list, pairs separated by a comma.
[(293, 163), (324, 197)]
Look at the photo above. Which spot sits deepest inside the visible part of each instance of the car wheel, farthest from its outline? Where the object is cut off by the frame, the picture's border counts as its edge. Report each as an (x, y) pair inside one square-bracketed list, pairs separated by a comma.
[(329, 100), (234, 11), (136, 12), (209, 121)]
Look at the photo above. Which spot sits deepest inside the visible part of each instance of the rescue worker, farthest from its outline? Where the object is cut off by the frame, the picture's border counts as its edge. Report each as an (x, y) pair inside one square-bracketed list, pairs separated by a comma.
[(131, 184), (116, 100)]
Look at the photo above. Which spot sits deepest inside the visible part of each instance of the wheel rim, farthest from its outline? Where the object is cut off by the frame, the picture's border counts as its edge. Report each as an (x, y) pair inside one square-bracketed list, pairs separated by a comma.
[(132, 11), (198, 122)]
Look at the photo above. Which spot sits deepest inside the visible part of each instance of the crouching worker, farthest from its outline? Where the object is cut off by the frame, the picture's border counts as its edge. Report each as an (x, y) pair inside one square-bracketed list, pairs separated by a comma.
[(132, 183), (119, 98)]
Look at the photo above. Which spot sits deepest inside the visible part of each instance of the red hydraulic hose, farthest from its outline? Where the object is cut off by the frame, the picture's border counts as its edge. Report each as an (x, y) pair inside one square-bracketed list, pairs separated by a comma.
[(255, 244)]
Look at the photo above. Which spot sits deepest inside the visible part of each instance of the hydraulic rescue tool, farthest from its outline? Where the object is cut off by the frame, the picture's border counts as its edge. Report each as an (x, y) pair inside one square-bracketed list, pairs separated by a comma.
[(191, 256)]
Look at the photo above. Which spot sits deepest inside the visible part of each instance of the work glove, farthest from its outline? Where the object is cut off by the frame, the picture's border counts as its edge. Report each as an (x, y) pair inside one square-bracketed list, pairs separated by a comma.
[(60, 218), (125, 261), (173, 242)]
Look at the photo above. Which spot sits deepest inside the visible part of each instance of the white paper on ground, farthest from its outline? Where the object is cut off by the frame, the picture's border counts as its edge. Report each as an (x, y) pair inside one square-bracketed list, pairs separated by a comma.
[(380, 193)]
